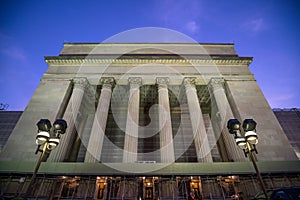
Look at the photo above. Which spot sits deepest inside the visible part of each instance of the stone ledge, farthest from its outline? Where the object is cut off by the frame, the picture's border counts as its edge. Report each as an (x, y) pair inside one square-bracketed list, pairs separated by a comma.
[(221, 168)]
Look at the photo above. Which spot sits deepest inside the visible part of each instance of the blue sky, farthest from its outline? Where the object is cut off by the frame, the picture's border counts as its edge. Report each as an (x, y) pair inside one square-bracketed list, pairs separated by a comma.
[(267, 30)]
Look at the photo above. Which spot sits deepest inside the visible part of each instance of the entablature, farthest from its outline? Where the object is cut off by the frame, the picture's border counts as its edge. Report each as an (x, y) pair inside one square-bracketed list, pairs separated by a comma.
[(194, 60)]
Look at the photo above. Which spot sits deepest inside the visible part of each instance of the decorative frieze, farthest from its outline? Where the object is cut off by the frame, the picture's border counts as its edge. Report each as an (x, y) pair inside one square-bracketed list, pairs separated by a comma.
[(216, 61)]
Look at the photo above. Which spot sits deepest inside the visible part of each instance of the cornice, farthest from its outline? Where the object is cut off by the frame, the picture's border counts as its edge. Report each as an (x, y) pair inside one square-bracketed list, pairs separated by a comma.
[(217, 60)]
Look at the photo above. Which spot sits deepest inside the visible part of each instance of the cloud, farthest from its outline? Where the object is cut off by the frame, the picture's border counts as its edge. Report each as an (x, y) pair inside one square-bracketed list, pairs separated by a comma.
[(192, 27), (255, 25), (182, 15), (13, 52), (278, 101), (8, 48)]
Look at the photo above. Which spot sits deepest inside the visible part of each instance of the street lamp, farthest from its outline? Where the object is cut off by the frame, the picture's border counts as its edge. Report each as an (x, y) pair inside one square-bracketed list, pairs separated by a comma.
[(247, 142), (47, 139)]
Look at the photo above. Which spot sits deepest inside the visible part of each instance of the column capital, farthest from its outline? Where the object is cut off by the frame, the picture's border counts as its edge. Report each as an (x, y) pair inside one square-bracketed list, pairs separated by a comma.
[(216, 83), (107, 82), (81, 82), (190, 80), (162, 80), (135, 81)]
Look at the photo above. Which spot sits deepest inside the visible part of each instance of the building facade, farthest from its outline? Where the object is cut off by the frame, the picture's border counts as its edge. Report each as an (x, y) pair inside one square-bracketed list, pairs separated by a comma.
[(147, 121), (8, 121), (289, 120)]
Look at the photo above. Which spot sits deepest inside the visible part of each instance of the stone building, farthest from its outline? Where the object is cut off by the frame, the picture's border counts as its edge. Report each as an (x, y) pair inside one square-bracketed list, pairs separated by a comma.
[(147, 121), (8, 120), (289, 120)]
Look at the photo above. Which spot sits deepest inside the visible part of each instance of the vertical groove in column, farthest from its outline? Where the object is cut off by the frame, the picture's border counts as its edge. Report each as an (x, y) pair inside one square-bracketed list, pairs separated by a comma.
[(165, 126), (132, 124), (198, 126), (71, 114), (221, 113), (95, 144)]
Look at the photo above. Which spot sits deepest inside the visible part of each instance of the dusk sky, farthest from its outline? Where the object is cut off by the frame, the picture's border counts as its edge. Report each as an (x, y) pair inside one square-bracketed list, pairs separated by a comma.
[(269, 31)]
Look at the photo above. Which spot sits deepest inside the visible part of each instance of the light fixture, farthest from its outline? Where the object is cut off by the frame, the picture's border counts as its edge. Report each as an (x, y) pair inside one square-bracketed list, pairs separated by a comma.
[(47, 139), (44, 125), (233, 126), (247, 142), (60, 126), (251, 137), (42, 137), (241, 142), (52, 143), (249, 125)]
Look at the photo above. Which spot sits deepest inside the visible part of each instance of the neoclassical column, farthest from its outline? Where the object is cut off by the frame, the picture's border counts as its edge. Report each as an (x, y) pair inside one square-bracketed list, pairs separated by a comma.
[(132, 124), (95, 143), (220, 114), (71, 114), (165, 126), (200, 136)]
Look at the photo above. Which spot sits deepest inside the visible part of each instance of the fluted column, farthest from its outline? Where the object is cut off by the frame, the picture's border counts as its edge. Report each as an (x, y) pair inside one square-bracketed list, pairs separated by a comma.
[(200, 136), (71, 114), (132, 124), (95, 144), (165, 126), (221, 113)]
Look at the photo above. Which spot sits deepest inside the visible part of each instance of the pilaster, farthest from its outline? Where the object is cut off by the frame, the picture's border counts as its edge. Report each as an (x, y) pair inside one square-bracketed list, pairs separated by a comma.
[(70, 115), (221, 113)]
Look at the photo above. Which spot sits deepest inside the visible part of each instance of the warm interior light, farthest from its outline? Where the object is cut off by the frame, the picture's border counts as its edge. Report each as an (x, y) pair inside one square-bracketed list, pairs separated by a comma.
[(233, 125), (42, 137), (251, 137), (249, 125), (241, 142), (52, 143), (60, 126)]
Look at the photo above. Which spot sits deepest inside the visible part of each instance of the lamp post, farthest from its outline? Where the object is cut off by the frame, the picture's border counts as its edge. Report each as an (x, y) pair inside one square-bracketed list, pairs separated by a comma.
[(47, 139), (247, 142)]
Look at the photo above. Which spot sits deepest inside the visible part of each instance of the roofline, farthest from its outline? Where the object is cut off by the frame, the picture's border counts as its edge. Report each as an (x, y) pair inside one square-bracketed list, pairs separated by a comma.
[(89, 43)]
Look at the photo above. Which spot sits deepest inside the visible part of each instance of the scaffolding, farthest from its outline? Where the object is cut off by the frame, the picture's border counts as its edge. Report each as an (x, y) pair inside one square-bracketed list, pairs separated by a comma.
[(142, 187)]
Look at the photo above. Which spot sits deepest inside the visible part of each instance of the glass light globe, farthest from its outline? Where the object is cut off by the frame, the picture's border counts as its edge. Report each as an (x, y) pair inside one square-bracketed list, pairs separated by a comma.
[(241, 142), (251, 137), (52, 143), (42, 137)]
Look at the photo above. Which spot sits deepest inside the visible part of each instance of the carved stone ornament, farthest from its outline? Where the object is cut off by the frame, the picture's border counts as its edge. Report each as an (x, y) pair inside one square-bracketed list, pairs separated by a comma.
[(107, 80), (81, 82), (135, 81), (162, 80), (189, 81), (216, 83)]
